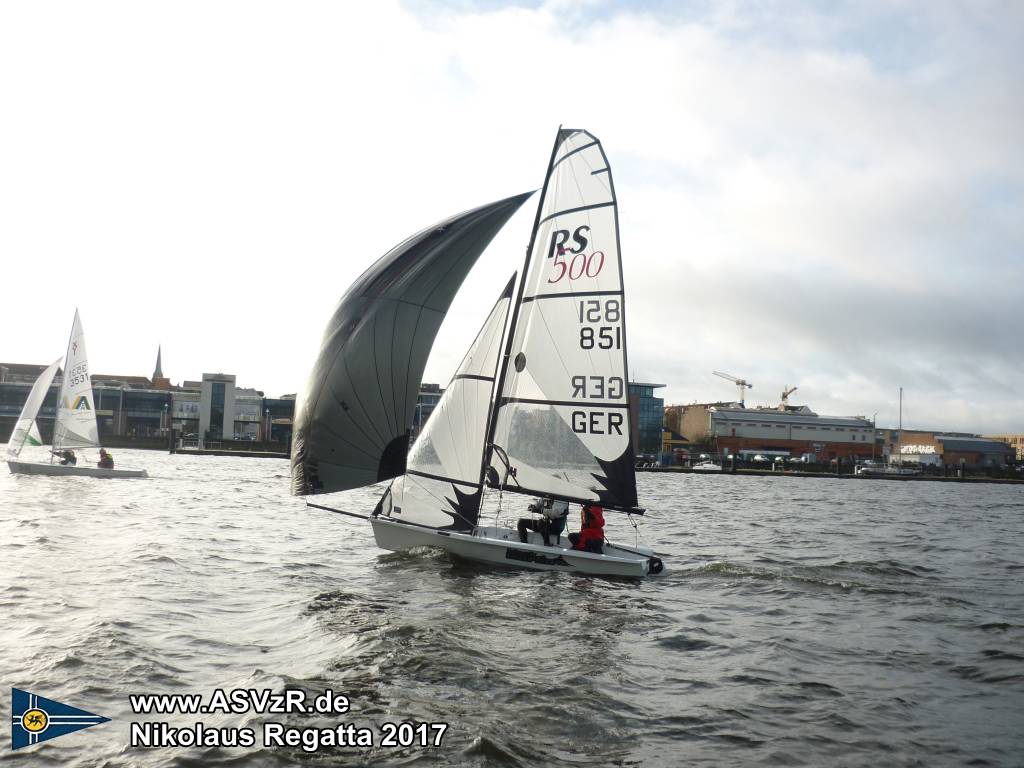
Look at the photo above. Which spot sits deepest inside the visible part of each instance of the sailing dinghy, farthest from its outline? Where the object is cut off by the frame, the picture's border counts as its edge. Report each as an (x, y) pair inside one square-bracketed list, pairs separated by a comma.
[(75, 426), (539, 405)]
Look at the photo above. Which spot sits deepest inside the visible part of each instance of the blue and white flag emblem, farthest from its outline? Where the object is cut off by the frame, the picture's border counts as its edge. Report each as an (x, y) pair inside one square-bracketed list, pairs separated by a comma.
[(35, 719)]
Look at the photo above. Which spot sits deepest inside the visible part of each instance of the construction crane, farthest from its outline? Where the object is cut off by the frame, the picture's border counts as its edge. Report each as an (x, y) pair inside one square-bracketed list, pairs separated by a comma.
[(741, 383), (786, 392)]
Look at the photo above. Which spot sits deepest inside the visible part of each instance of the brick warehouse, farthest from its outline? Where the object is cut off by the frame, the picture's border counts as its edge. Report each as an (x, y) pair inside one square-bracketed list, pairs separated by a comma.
[(794, 431)]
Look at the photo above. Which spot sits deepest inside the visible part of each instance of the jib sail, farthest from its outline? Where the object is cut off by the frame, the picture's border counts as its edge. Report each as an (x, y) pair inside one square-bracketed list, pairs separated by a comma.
[(25, 429), (441, 486)]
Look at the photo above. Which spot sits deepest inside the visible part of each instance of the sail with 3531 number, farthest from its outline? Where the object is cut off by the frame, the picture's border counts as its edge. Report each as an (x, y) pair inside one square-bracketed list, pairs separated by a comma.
[(76, 416)]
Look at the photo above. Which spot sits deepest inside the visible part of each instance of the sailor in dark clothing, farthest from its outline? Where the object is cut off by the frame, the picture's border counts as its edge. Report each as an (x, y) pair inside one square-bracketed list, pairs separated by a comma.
[(591, 535), (66, 457), (552, 521)]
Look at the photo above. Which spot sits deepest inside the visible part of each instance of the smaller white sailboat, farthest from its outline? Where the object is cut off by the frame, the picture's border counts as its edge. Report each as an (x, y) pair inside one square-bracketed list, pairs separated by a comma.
[(75, 426)]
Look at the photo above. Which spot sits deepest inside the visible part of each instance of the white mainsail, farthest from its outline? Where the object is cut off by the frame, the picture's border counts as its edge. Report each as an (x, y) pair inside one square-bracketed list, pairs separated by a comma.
[(441, 487), (562, 416), (25, 429), (76, 417)]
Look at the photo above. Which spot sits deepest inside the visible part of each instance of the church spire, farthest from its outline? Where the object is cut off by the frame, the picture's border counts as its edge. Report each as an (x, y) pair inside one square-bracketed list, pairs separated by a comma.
[(158, 373)]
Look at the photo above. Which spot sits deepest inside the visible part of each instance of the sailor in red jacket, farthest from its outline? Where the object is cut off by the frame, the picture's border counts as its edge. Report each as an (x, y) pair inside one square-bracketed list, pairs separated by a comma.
[(591, 535)]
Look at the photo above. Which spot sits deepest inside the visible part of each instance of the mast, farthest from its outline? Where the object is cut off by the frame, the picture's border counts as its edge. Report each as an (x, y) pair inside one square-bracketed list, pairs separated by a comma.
[(63, 384), (499, 385)]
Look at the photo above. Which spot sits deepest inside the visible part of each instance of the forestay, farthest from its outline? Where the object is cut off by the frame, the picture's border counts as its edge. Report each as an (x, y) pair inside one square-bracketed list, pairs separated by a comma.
[(353, 420), (441, 486), (76, 418), (563, 416), (25, 429)]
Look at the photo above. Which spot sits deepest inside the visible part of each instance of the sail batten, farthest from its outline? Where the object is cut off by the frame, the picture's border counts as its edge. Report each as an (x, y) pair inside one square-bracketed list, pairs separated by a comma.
[(374, 352)]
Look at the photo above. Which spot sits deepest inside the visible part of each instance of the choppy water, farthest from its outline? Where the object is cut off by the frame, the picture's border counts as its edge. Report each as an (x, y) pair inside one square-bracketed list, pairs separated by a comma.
[(804, 622)]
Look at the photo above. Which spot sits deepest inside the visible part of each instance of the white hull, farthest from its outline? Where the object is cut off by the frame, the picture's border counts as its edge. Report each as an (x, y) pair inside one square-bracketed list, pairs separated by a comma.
[(706, 466), (501, 546), (34, 468), (886, 471)]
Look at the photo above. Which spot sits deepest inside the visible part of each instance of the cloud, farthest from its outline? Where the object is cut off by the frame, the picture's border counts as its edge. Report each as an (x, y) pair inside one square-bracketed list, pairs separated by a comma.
[(821, 195)]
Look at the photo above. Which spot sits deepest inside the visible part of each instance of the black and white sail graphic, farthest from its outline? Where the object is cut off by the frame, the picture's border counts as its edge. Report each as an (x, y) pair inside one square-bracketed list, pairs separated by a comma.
[(441, 486), (352, 422), (562, 424)]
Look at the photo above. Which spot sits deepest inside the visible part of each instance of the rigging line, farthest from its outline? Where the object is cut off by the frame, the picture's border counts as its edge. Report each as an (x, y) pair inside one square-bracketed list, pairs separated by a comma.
[(382, 441), (376, 367)]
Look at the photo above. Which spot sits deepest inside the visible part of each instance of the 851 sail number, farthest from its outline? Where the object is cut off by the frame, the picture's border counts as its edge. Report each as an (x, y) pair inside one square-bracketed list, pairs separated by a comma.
[(607, 337)]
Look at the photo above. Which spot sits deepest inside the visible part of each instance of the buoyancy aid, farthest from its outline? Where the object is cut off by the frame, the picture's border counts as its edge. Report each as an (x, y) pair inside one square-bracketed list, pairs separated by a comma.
[(592, 532)]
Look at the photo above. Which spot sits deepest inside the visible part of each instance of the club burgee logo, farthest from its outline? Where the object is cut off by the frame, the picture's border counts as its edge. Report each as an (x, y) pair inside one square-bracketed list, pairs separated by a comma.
[(35, 719)]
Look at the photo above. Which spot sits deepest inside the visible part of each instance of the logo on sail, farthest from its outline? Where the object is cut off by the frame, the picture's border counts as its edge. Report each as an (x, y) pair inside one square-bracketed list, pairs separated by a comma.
[(81, 403), (35, 719)]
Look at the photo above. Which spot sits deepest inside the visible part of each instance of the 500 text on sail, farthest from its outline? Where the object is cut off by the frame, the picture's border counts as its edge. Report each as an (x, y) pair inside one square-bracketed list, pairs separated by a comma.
[(581, 263)]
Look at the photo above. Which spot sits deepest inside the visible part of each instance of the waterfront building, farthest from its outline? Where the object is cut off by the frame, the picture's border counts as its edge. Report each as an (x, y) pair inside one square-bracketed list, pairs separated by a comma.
[(931, 448), (693, 421), (16, 379), (135, 409), (647, 414), (675, 448), (792, 431), (1014, 441), (278, 414)]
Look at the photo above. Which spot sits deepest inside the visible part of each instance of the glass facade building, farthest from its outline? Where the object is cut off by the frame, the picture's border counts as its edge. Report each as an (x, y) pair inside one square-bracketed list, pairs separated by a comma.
[(647, 413)]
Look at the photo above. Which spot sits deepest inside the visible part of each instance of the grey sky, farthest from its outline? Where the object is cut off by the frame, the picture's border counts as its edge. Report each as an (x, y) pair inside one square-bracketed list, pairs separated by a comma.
[(823, 195)]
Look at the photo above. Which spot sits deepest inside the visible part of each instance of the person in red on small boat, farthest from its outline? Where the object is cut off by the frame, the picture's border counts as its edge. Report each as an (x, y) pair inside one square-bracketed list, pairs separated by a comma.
[(591, 535)]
